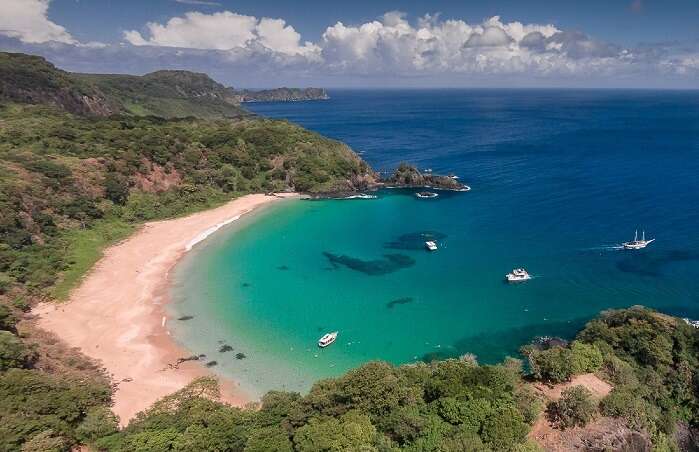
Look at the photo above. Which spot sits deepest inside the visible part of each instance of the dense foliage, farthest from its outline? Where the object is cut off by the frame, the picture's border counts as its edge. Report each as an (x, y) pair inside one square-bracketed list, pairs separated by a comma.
[(574, 408), (65, 176), (652, 360), (168, 94), (450, 405)]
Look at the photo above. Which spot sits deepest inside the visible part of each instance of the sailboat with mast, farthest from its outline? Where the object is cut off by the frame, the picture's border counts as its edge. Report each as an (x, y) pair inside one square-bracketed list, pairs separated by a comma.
[(636, 244)]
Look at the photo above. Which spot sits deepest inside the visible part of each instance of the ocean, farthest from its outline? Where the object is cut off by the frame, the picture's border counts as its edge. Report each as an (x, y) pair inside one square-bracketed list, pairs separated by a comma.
[(559, 178)]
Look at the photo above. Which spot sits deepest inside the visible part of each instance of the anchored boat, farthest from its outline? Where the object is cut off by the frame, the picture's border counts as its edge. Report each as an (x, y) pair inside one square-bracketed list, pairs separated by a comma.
[(426, 194), (636, 244), (517, 275), (327, 339), (431, 245)]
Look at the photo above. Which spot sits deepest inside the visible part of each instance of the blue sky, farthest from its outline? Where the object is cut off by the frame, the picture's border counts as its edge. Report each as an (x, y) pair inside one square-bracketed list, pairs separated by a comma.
[(613, 43)]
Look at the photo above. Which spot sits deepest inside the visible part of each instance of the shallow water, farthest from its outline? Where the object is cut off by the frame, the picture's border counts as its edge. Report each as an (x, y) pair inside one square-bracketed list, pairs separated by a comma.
[(559, 179)]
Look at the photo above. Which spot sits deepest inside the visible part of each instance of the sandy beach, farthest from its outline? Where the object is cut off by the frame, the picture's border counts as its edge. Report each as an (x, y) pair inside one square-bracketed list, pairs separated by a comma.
[(117, 313)]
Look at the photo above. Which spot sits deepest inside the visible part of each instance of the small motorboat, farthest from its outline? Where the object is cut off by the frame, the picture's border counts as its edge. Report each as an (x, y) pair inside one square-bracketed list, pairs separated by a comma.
[(327, 339), (426, 194), (636, 244), (431, 245), (517, 275)]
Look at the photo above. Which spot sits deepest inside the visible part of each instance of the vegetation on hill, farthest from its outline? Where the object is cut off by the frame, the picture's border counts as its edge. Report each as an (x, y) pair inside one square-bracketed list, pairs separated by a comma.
[(67, 179), (168, 94), (446, 406)]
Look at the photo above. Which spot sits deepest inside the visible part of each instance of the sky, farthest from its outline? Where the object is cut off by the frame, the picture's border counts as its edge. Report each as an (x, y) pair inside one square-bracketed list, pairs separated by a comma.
[(370, 43)]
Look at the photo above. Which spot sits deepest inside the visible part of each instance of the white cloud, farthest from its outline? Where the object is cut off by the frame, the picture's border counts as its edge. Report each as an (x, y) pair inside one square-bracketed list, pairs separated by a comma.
[(222, 31), (391, 50), (27, 20)]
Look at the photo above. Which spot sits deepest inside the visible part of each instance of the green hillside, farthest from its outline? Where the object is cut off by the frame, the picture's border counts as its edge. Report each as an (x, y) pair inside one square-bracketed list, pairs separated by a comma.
[(168, 94)]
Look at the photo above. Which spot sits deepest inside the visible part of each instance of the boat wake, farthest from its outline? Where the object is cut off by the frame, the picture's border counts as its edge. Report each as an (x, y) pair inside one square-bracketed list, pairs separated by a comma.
[(604, 248)]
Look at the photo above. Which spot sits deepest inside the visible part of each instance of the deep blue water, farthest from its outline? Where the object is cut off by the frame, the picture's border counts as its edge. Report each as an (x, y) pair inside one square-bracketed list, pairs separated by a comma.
[(558, 179)]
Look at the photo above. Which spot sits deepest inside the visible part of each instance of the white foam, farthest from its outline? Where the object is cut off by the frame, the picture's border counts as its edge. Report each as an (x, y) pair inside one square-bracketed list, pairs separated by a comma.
[(203, 235)]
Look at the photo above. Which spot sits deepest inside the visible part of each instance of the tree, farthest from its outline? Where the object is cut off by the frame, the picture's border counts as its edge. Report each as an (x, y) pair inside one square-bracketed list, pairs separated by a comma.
[(99, 422), (552, 365), (585, 358), (46, 441), (7, 318), (574, 408), (353, 431), (13, 352), (269, 439), (504, 428)]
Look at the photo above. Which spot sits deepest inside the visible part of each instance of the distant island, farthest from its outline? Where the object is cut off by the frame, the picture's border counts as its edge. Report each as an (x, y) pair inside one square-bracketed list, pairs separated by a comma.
[(282, 95)]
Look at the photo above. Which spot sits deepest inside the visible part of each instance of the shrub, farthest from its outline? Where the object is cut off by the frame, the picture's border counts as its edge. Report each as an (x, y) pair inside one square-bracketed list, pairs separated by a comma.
[(574, 408), (13, 352), (99, 422), (552, 365), (7, 318), (269, 439), (584, 358), (46, 441)]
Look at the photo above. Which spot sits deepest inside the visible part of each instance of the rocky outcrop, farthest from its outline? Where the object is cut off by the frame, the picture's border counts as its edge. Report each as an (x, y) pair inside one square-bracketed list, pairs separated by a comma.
[(282, 95), (409, 176)]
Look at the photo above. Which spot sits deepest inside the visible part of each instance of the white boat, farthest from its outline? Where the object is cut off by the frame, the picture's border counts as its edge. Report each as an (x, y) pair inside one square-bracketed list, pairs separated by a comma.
[(636, 244), (327, 339), (690, 322), (426, 194), (518, 274), (431, 245), (359, 196)]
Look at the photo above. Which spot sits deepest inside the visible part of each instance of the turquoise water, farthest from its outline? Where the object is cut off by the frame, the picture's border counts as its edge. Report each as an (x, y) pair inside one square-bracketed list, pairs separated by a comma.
[(559, 179)]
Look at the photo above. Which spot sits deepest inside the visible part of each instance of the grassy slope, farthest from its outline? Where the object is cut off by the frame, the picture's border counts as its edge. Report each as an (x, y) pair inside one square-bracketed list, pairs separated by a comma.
[(84, 248)]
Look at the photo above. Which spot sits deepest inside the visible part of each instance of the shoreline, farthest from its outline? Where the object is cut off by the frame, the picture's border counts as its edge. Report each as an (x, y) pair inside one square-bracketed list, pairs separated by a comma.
[(117, 314)]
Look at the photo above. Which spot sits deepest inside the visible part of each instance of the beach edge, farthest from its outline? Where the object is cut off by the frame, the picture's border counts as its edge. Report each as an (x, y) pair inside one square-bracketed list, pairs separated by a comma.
[(117, 314)]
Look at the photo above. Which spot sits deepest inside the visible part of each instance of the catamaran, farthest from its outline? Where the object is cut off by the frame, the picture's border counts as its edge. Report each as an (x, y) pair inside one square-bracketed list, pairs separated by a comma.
[(431, 245), (636, 244), (518, 274), (327, 339)]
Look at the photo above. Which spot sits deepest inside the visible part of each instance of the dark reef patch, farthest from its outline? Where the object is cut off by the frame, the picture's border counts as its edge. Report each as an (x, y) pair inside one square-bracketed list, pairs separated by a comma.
[(405, 300), (245, 284), (225, 348), (653, 264), (211, 363), (492, 348), (389, 264), (240, 355), (414, 240), (185, 317), (282, 267)]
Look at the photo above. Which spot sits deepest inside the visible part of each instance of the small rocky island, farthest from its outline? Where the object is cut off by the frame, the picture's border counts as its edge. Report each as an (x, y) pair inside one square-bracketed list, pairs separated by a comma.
[(405, 176), (281, 95), (408, 176)]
